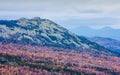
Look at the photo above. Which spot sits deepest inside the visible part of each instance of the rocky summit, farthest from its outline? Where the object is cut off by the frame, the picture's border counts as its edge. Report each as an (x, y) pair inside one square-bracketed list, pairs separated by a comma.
[(43, 32)]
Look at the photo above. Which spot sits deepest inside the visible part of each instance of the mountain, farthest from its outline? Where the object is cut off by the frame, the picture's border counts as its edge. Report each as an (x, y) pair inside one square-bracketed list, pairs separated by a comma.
[(42, 32), (41, 47), (109, 43), (103, 32)]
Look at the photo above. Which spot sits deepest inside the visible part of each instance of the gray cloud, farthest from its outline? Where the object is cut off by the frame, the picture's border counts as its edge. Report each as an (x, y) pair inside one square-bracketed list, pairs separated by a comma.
[(62, 10)]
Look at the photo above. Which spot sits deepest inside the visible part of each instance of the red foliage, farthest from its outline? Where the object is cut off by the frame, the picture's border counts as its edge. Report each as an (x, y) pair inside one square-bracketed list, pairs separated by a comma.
[(81, 62)]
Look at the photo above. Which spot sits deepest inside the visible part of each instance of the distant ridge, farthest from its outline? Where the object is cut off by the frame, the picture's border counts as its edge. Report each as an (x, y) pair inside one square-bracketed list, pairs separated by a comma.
[(109, 43), (103, 32)]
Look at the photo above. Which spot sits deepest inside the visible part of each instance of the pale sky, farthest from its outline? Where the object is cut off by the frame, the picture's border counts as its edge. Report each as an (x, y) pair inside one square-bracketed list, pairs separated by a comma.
[(68, 13)]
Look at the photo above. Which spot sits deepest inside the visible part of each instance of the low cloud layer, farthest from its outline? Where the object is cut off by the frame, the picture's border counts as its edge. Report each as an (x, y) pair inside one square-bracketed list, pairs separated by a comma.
[(69, 13)]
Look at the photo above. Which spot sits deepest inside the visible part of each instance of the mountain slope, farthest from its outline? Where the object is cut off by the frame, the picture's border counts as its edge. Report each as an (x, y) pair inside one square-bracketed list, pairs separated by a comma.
[(31, 60), (109, 43), (39, 31)]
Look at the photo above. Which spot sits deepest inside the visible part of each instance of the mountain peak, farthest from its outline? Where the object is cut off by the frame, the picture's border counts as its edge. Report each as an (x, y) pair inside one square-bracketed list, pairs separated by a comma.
[(21, 19), (36, 18)]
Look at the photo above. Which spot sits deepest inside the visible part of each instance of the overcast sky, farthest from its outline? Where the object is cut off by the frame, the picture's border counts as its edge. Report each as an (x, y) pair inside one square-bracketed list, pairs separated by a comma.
[(68, 13)]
